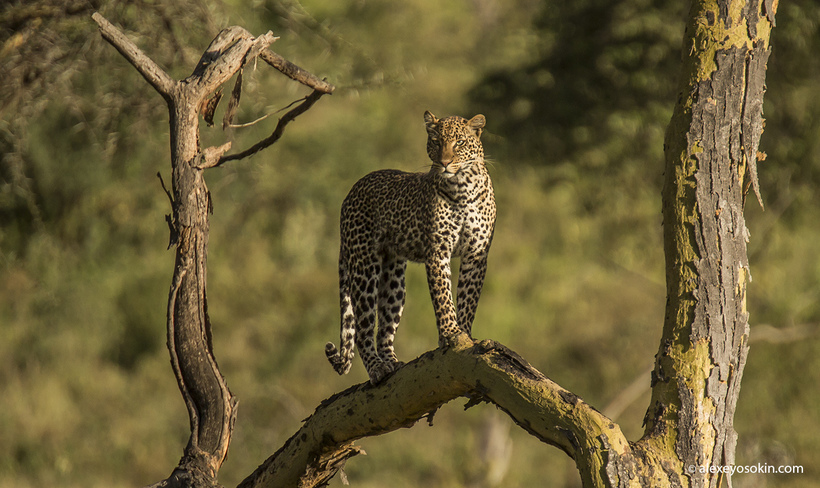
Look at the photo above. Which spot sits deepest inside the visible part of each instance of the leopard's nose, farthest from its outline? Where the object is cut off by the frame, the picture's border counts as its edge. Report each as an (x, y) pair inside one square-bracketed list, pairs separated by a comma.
[(451, 169)]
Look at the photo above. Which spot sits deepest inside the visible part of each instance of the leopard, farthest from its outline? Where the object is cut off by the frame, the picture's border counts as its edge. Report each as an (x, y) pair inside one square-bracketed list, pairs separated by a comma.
[(390, 217)]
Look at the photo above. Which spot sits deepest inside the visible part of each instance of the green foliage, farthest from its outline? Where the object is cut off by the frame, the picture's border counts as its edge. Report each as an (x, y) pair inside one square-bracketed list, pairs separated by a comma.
[(577, 101), (598, 90)]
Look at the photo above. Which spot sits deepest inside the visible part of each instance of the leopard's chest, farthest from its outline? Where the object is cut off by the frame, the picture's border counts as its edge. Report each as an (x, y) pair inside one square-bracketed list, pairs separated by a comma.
[(465, 228), (473, 232), (454, 229)]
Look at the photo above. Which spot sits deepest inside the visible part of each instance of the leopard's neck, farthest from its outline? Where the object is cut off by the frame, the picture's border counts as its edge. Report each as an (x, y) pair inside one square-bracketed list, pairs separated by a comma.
[(468, 186)]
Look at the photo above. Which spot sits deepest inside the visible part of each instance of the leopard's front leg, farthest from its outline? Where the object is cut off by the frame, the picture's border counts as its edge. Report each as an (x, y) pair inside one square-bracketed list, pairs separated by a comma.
[(470, 281), (441, 291)]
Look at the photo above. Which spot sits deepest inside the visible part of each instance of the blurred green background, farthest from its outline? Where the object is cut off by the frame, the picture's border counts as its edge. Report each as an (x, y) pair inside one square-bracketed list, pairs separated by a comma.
[(577, 97)]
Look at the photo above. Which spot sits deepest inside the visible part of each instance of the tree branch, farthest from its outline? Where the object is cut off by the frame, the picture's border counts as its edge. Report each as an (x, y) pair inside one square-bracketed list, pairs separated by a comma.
[(228, 52), (296, 73), (482, 371), (149, 70)]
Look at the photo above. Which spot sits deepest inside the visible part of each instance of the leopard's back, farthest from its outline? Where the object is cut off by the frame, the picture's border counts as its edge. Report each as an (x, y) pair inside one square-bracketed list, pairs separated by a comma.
[(389, 211)]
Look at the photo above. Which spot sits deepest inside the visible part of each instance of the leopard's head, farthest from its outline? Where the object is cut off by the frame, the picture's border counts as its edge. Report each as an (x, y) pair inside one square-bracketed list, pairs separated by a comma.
[(454, 143)]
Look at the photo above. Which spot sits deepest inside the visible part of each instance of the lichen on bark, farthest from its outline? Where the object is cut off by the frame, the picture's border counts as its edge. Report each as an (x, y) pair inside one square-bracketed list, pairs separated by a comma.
[(711, 149)]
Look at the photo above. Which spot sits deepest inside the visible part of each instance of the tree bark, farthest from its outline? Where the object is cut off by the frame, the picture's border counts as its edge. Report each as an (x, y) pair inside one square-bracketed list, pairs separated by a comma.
[(211, 405), (711, 150)]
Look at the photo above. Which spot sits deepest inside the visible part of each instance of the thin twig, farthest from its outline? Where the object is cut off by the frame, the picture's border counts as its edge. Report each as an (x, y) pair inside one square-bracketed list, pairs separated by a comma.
[(253, 122), (168, 193), (248, 124)]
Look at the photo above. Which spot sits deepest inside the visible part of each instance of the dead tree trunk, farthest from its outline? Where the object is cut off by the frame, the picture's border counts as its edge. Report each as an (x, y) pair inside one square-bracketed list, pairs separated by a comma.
[(211, 406)]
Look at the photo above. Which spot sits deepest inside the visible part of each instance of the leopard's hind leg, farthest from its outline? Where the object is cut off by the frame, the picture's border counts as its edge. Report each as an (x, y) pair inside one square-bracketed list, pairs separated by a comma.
[(391, 306), (366, 273)]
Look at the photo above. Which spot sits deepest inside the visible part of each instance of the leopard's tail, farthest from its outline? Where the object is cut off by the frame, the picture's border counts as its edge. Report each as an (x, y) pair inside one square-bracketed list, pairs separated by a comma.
[(341, 360)]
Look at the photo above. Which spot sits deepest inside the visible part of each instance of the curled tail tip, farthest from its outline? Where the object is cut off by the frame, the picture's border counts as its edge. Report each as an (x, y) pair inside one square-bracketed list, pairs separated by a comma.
[(340, 365)]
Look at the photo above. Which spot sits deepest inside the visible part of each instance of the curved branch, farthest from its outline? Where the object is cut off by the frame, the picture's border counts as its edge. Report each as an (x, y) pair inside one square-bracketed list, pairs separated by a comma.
[(230, 50), (482, 371)]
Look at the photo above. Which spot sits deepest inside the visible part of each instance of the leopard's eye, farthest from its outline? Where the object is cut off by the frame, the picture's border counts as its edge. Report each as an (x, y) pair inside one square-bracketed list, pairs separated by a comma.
[(460, 142)]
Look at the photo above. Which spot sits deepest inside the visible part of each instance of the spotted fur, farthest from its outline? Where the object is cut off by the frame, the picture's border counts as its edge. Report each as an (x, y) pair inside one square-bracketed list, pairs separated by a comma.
[(390, 217)]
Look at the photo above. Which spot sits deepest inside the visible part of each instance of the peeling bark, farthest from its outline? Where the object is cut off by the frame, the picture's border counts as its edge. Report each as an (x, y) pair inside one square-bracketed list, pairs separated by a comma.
[(711, 150)]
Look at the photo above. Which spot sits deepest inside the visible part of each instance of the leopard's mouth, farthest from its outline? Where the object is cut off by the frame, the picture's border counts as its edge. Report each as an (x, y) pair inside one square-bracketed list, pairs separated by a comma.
[(451, 169)]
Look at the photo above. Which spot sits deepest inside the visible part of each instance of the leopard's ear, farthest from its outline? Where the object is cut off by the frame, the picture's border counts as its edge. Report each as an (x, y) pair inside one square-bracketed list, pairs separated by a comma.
[(430, 121), (477, 124)]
